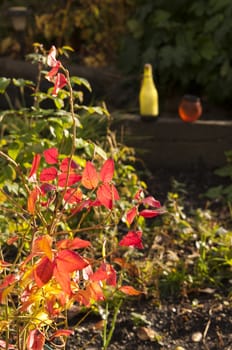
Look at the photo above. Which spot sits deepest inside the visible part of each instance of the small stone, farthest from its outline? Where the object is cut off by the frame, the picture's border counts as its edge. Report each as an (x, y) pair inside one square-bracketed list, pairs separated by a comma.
[(179, 348), (196, 337)]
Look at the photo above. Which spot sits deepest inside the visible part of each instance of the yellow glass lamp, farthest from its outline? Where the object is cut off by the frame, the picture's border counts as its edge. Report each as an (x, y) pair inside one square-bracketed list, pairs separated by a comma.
[(148, 96)]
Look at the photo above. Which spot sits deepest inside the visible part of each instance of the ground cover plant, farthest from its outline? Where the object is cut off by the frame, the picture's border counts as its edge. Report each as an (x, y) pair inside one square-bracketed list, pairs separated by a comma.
[(60, 212), (79, 260)]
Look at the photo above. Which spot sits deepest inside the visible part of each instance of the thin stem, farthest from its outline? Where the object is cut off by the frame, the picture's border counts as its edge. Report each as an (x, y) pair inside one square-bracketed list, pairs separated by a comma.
[(7, 97), (107, 338)]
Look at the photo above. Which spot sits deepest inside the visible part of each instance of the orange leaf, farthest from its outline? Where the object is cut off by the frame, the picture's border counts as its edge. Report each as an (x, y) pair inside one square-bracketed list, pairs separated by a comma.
[(107, 194), (129, 290), (91, 294), (76, 243), (107, 171), (35, 165), (43, 245), (43, 271), (105, 272), (33, 196), (73, 195), (63, 278), (90, 176), (69, 261), (62, 333)]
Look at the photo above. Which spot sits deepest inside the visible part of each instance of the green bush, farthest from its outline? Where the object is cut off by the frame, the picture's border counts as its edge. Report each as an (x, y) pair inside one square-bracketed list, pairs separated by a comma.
[(188, 45)]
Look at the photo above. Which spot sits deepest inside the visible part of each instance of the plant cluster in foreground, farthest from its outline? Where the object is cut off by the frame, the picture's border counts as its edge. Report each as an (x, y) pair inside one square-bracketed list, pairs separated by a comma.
[(60, 221)]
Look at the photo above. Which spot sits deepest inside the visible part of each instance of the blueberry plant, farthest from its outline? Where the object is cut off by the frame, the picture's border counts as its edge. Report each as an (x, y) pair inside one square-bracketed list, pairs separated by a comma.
[(61, 213)]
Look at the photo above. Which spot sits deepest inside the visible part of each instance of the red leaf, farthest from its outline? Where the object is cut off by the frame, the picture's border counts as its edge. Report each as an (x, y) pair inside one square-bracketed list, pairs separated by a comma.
[(69, 261), (92, 293), (33, 196), (51, 58), (90, 176), (138, 194), (63, 278), (43, 271), (67, 165), (73, 195), (148, 213), (151, 201), (35, 165), (76, 243), (45, 188), (132, 239), (107, 194), (62, 333), (105, 272), (65, 179), (35, 340), (48, 174), (7, 281), (131, 214), (60, 82), (107, 171), (129, 290), (8, 346), (51, 155)]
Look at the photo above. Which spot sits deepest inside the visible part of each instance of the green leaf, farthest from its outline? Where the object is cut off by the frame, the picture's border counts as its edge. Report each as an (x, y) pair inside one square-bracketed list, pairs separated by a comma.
[(224, 171), (59, 103), (214, 192), (22, 82), (98, 150), (4, 82), (81, 81), (14, 149)]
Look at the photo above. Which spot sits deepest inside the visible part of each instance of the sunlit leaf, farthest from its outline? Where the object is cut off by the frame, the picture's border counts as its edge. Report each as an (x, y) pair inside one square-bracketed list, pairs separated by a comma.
[(51, 155), (149, 213), (35, 165), (62, 333), (68, 164), (43, 245), (132, 239), (129, 290), (48, 174), (66, 179), (131, 214), (43, 271), (69, 261), (152, 202), (73, 195), (35, 340), (107, 194), (105, 272), (76, 243), (107, 171), (89, 176), (32, 199)]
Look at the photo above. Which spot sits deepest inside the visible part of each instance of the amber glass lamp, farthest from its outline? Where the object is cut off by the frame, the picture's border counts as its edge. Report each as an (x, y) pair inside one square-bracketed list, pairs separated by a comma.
[(190, 108)]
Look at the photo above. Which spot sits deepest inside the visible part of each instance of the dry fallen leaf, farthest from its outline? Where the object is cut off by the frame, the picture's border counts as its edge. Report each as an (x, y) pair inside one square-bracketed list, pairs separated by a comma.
[(145, 333)]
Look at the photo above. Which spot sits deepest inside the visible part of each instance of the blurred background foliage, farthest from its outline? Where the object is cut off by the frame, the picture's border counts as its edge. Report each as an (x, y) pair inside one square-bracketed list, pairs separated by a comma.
[(187, 42)]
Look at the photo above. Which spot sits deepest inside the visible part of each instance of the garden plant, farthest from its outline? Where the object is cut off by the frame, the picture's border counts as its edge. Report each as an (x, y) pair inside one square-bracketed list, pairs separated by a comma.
[(75, 239), (71, 213)]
